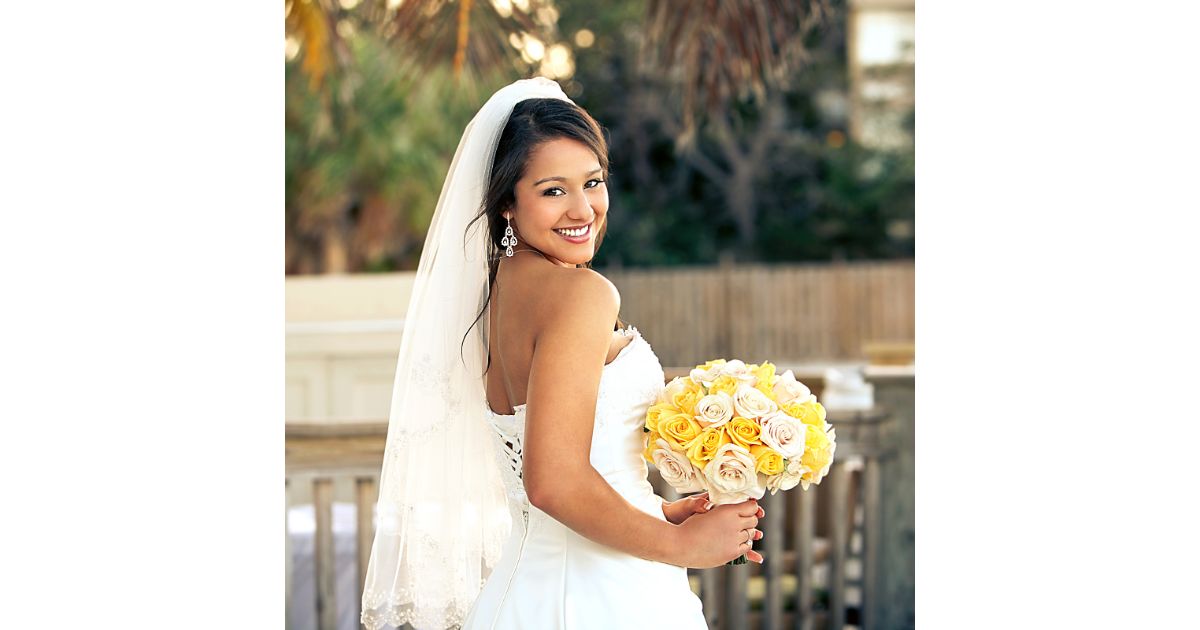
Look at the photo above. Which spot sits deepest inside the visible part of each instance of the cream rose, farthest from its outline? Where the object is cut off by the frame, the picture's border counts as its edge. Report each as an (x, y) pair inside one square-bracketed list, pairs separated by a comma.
[(789, 478), (738, 369), (731, 476), (750, 402), (734, 367), (676, 469), (787, 389), (707, 373), (714, 409), (784, 433)]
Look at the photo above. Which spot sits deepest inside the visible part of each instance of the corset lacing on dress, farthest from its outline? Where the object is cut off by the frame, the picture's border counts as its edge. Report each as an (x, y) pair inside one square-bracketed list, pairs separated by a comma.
[(511, 430)]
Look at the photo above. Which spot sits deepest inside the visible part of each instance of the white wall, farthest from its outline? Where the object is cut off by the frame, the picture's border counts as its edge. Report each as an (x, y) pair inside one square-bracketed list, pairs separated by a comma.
[(343, 334)]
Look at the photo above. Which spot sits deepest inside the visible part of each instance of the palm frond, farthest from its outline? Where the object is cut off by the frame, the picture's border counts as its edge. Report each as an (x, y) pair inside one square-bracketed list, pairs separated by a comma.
[(311, 26), (716, 51), (474, 35)]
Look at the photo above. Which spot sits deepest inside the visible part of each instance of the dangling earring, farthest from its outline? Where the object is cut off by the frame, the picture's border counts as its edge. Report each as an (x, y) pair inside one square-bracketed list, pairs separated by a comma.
[(509, 239)]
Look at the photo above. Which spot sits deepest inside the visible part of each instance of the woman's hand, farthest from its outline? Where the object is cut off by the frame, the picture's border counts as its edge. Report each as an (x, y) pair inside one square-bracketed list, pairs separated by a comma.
[(718, 535), (678, 511)]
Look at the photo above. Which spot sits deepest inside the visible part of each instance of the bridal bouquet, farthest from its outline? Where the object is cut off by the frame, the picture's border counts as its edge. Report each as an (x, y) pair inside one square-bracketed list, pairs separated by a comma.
[(737, 431)]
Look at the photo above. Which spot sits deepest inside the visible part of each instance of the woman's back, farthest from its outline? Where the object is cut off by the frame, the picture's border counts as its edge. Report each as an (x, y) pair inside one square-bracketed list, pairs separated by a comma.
[(526, 293)]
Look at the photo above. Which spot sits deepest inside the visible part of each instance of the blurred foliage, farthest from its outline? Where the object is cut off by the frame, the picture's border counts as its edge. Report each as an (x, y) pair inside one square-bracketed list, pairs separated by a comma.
[(762, 171), (365, 159)]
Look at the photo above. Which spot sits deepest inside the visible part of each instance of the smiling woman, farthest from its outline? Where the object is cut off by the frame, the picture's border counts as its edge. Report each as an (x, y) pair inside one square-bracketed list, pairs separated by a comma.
[(556, 208), (548, 176), (584, 536)]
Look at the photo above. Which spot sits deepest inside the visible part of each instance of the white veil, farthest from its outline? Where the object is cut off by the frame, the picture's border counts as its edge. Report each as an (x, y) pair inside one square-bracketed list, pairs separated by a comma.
[(442, 515)]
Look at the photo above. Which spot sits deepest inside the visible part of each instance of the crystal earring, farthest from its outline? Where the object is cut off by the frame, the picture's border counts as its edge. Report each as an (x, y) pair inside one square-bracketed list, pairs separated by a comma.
[(509, 239)]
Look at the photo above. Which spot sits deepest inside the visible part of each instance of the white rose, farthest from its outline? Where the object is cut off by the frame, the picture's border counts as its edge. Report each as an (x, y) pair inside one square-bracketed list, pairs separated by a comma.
[(784, 433), (714, 409), (706, 377), (789, 478), (676, 469), (787, 389), (737, 369), (749, 402), (731, 476), (734, 367), (676, 386)]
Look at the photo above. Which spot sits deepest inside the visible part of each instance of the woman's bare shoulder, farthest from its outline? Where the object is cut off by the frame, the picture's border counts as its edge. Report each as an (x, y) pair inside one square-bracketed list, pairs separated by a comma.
[(578, 294)]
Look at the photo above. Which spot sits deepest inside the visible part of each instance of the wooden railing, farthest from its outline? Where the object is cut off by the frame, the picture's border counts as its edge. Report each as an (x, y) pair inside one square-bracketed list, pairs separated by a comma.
[(822, 547)]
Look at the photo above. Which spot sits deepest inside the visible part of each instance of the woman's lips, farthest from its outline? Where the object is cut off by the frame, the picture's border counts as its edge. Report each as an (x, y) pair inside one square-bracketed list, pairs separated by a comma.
[(582, 238)]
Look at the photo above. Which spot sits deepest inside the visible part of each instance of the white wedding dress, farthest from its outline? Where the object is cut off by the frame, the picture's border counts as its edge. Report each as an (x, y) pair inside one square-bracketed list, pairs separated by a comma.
[(549, 577)]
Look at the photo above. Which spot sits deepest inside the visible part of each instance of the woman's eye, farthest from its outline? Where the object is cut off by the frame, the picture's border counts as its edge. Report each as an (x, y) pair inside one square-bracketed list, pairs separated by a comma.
[(558, 192)]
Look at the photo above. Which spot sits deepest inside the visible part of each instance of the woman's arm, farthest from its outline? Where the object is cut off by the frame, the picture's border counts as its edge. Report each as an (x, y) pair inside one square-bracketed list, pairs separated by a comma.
[(570, 349)]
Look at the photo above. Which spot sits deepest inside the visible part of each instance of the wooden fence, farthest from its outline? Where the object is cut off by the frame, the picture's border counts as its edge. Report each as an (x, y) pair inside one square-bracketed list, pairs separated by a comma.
[(777, 312), (822, 546)]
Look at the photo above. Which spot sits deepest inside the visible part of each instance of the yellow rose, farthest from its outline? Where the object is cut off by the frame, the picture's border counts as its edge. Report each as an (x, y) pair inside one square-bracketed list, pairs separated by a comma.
[(655, 413), (702, 447), (685, 401), (651, 438), (815, 439), (725, 383), (743, 431), (819, 447), (810, 413), (709, 365), (767, 460), (678, 429), (764, 374), (677, 386)]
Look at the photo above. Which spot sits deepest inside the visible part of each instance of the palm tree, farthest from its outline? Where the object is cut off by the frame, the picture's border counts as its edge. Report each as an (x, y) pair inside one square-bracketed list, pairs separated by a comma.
[(376, 95), (720, 56)]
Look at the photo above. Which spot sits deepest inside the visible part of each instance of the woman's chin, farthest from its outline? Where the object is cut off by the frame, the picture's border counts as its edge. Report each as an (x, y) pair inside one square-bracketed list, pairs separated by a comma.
[(575, 261), (572, 256)]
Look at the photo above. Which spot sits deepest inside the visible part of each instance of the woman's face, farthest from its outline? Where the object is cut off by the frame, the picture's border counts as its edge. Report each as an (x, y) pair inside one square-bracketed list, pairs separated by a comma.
[(563, 187)]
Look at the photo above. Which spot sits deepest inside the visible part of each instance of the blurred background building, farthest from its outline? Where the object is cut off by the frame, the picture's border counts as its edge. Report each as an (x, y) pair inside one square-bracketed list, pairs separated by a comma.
[(761, 208)]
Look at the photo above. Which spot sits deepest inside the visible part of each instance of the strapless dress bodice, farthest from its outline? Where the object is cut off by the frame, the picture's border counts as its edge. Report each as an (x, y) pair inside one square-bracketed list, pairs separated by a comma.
[(552, 578), (629, 384)]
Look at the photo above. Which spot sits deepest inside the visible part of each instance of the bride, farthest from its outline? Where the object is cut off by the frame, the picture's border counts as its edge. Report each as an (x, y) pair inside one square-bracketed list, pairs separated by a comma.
[(513, 492)]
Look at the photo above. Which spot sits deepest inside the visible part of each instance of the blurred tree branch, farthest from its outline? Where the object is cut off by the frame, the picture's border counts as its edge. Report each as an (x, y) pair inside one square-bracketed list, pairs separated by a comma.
[(428, 33), (718, 51)]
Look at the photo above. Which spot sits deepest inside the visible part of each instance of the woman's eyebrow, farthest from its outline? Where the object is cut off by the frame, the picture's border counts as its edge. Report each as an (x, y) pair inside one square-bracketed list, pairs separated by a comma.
[(558, 178)]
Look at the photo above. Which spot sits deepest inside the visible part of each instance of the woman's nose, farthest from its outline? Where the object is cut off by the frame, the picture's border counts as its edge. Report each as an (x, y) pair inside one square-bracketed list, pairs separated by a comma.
[(582, 212)]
